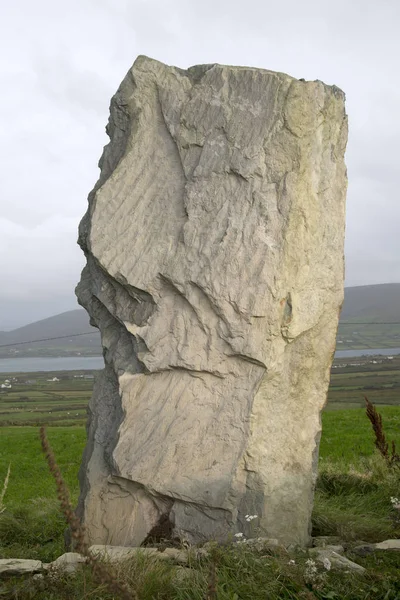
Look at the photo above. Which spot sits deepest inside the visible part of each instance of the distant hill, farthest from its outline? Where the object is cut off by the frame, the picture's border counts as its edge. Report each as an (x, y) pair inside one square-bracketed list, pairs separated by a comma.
[(64, 324), (371, 303), (375, 304)]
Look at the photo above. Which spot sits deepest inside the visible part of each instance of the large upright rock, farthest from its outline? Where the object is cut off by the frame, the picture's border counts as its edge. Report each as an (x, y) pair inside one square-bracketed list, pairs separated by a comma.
[(214, 245)]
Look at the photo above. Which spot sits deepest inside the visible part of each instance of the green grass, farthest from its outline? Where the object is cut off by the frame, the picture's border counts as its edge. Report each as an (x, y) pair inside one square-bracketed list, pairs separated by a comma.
[(30, 478), (352, 500), (347, 435), (32, 526), (240, 574), (354, 485)]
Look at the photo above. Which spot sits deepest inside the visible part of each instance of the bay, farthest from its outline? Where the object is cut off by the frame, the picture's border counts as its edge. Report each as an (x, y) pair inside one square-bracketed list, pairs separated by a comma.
[(91, 363), (64, 363), (367, 352)]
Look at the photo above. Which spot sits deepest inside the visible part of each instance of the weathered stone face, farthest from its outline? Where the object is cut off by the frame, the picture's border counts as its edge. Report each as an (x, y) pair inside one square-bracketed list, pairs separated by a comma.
[(214, 244)]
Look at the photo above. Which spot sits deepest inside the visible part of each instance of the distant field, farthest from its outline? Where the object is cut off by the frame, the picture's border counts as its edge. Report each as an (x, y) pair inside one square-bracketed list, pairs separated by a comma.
[(35, 398), (378, 378), (358, 337)]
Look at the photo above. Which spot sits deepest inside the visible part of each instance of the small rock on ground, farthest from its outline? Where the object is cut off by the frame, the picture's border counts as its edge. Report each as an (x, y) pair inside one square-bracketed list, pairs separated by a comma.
[(19, 566), (364, 549), (336, 560), (118, 553), (68, 562), (388, 545)]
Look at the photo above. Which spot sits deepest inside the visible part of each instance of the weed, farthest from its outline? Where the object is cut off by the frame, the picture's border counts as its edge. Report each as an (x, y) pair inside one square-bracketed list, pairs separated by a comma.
[(101, 571), (392, 458), (4, 489)]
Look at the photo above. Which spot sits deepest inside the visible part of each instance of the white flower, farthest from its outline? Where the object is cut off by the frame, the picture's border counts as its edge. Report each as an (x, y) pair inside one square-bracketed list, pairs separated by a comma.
[(250, 517), (311, 569), (310, 562), (327, 563), (238, 535), (291, 562), (395, 502)]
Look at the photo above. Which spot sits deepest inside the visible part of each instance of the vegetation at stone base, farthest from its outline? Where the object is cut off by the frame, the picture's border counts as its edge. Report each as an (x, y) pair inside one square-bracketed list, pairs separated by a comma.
[(103, 573), (354, 484), (352, 500), (32, 526), (240, 574)]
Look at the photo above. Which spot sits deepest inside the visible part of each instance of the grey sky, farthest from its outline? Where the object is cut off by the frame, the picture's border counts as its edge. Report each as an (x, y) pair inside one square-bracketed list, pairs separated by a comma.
[(60, 62)]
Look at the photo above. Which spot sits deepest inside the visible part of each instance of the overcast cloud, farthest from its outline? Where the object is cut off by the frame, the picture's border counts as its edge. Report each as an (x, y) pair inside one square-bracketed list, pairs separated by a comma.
[(60, 62)]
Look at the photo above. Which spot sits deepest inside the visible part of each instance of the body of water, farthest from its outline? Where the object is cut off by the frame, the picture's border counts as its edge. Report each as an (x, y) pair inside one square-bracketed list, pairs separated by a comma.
[(67, 363), (90, 363), (367, 352)]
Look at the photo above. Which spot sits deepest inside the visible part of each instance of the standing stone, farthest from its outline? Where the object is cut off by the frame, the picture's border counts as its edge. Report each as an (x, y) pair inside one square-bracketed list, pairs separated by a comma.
[(214, 245)]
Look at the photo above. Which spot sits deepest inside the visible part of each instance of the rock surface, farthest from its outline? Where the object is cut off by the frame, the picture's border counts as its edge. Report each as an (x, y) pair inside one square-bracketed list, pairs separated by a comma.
[(19, 566), (120, 553), (68, 562), (336, 560), (214, 245), (388, 545), (365, 549)]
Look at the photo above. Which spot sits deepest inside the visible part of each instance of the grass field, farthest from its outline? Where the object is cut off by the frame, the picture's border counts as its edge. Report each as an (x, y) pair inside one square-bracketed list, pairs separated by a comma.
[(352, 500), (352, 497)]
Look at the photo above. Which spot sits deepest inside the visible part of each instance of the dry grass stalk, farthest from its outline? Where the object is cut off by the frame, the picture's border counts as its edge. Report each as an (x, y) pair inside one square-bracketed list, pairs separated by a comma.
[(391, 458), (211, 593), (3, 491), (103, 573)]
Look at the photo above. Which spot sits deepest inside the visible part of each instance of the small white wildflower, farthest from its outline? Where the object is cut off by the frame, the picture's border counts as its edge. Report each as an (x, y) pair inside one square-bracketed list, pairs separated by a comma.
[(311, 569), (310, 562), (250, 518), (238, 535), (327, 563), (395, 502), (291, 562)]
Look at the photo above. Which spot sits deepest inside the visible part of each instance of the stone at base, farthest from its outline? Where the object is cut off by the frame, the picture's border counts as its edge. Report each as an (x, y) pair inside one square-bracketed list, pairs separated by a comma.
[(336, 560), (68, 562), (19, 566)]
